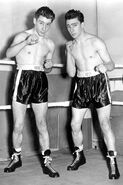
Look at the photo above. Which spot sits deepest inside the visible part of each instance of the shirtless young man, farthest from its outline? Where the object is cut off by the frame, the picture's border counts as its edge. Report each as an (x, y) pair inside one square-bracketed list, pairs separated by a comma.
[(89, 60), (33, 52)]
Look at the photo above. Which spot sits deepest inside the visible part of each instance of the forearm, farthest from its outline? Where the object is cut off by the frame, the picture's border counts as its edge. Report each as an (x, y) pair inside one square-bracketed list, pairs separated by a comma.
[(15, 49), (104, 67), (70, 66), (71, 70)]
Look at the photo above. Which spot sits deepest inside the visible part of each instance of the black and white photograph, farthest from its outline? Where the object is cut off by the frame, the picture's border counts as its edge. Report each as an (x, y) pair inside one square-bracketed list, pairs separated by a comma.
[(61, 92)]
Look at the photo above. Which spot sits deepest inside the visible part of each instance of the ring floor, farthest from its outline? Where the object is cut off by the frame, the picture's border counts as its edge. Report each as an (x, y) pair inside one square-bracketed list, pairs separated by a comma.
[(94, 172)]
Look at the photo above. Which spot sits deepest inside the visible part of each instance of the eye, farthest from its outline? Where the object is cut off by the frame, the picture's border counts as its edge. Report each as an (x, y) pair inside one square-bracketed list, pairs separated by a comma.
[(48, 24), (74, 25), (40, 22), (68, 26)]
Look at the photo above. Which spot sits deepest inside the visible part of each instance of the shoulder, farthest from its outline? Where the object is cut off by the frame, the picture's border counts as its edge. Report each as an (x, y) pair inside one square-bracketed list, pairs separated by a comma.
[(97, 42), (50, 43), (21, 36), (93, 38)]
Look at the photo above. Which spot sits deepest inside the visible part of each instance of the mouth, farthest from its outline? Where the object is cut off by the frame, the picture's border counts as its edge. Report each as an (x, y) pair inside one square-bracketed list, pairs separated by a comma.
[(41, 33), (73, 34)]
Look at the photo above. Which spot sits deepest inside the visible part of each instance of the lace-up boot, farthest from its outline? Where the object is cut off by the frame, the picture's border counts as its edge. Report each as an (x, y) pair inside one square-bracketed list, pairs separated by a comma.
[(79, 159), (112, 165), (15, 162), (47, 168)]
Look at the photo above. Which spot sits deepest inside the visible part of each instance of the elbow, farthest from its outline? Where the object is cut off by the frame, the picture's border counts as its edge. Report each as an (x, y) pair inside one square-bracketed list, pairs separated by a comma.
[(8, 54), (112, 66), (71, 74)]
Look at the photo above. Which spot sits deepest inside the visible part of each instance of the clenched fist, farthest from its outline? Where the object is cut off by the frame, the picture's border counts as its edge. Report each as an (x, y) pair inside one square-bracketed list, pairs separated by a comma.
[(32, 39)]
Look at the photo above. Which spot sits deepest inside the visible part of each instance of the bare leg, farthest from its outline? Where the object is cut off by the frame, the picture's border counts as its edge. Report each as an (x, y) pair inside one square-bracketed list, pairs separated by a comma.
[(18, 115), (76, 123), (40, 111), (104, 118), (19, 111)]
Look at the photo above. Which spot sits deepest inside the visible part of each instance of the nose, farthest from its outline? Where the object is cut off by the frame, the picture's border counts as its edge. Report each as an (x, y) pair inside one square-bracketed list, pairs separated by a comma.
[(44, 27), (71, 29)]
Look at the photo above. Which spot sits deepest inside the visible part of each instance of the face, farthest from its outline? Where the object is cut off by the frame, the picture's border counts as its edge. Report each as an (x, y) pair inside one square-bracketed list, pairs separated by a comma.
[(74, 27), (42, 25)]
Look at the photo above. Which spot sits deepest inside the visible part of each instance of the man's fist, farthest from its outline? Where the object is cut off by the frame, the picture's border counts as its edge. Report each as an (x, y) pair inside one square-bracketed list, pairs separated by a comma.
[(32, 39), (48, 64), (100, 68)]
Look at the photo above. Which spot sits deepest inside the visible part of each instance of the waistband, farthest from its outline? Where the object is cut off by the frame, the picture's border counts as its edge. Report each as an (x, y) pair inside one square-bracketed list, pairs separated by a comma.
[(30, 67), (87, 73)]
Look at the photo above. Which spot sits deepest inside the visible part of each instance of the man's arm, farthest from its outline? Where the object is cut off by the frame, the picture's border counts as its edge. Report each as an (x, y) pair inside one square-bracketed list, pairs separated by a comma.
[(48, 64), (20, 41), (108, 64), (71, 68)]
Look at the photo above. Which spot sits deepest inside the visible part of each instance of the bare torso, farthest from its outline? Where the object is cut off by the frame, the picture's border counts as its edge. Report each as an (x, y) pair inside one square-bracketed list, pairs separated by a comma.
[(85, 54), (34, 54)]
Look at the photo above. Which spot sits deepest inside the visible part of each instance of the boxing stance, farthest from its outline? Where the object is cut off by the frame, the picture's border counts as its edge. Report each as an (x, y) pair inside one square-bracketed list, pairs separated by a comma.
[(89, 60), (33, 51)]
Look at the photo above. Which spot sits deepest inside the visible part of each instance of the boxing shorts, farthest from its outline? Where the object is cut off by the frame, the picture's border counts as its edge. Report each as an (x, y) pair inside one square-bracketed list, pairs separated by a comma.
[(30, 85), (91, 88)]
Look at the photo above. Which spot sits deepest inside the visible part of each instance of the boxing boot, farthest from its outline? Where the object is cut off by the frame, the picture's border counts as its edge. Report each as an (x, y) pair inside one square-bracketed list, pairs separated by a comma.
[(46, 165), (79, 159), (112, 165), (15, 162)]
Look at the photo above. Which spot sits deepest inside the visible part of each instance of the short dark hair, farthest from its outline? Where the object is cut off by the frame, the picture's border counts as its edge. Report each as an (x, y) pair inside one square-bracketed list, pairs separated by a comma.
[(45, 12), (71, 14)]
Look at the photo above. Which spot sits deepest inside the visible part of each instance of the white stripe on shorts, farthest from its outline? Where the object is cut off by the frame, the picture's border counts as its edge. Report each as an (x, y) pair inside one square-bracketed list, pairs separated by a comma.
[(108, 90), (16, 84)]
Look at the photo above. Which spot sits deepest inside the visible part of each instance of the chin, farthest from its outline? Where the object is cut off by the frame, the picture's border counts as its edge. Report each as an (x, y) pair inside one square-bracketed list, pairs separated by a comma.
[(41, 34)]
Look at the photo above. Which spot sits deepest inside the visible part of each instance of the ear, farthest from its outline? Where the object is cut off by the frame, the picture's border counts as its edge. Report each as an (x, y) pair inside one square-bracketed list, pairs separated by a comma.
[(34, 20), (82, 25)]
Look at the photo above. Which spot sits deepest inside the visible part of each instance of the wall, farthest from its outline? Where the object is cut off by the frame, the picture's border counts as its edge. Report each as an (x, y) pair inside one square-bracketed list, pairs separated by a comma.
[(110, 28), (15, 17)]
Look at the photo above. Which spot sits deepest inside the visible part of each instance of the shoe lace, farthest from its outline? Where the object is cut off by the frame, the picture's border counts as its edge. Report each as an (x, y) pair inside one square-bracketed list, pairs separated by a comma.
[(15, 157), (76, 157), (112, 161), (47, 160)]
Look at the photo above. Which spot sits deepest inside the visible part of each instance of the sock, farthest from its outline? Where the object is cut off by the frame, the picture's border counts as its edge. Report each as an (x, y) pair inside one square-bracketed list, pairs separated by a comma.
[(18, 150), (81, 147), (42, 152)]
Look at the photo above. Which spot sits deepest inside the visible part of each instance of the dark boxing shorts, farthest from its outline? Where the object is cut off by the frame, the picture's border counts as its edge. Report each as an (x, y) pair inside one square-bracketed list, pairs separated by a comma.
[(30, 87), (94, 89)]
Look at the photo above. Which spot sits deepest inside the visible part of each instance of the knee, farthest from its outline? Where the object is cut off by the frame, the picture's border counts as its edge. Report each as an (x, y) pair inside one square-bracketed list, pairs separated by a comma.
[(105, 125), (75, 126), (18, 128), (42, 126)]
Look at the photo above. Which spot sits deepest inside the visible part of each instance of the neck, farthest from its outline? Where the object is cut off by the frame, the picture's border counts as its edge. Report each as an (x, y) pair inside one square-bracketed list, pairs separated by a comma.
[(81, 37), (39, 36)]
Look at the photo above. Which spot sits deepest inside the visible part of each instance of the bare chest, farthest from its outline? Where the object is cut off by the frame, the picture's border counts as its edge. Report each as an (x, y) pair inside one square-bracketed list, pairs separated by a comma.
[(36, 50), (85, 55), (83, 51)]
